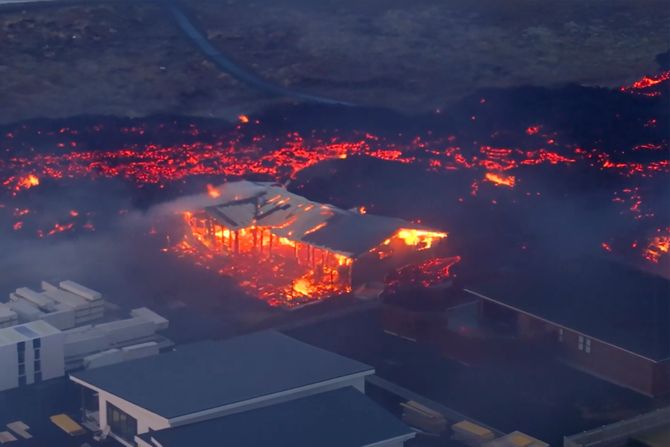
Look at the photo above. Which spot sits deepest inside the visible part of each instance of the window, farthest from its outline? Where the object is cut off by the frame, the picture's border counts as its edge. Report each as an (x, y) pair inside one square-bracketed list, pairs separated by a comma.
[(37, 366), (560, 334), (38, 354), (121, 424), (22, 369), (587, 346), (37, 343), (22, 381), (21, 351), (580, 343)]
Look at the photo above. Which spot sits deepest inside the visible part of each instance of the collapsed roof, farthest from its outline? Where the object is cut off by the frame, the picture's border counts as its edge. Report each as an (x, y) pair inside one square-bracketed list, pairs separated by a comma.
[(264, 204)]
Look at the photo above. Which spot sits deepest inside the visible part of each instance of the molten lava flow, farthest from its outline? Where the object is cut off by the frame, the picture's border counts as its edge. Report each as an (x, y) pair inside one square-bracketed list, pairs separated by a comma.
[(643, 85), (147, 154)]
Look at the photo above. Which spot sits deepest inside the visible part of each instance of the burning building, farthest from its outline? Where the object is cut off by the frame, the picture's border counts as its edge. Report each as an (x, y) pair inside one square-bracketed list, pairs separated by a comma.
[(289, 250)]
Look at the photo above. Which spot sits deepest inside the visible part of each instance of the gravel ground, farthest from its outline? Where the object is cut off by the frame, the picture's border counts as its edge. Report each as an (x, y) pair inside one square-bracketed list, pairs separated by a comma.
[(130, 59)]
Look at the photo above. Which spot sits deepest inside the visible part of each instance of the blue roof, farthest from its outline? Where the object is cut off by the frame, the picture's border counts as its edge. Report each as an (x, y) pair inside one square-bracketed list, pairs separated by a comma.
[(213, 374), (340, 418)]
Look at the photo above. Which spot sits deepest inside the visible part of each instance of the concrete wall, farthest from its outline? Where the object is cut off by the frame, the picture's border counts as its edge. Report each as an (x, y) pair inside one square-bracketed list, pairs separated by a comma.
[(145, 419), (9, 377), (601, 359), (52, 361)]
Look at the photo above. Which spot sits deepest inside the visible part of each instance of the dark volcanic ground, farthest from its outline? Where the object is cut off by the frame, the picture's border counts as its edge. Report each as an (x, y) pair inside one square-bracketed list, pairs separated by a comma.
[(129, 59)]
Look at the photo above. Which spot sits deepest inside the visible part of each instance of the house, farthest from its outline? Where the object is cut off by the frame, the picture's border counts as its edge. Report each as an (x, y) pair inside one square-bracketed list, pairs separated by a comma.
[(210, 379), (339, 418), (301, 248), (607, 319)]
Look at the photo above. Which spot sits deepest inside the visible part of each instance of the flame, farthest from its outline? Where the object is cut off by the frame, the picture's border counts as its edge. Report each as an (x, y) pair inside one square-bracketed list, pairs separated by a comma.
[(316, 228), (658, 247), (415, 237), (500, 179), (27, 182), (213, 192), (302, 287)]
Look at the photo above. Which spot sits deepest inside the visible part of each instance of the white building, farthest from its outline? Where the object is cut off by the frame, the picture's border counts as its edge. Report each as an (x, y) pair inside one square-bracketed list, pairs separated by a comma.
[(30, 353), (210, 379), (71, 317), (340, 418)]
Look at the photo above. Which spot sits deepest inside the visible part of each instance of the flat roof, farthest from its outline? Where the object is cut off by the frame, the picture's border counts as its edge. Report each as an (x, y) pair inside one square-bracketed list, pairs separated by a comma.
[(25, 332), (340, 418), (212, 374), (613, 302)]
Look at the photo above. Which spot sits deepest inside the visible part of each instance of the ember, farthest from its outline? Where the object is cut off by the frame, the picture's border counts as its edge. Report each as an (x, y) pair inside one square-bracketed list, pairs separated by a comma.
[(510, 157), (425, 274)]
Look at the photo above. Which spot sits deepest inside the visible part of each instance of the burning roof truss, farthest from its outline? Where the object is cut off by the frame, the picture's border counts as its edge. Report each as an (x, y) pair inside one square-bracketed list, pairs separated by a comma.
[(289, 250)]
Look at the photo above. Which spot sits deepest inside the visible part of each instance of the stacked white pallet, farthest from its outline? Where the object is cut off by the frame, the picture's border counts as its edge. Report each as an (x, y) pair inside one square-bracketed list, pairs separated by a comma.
[(59, 316), (131, 329), (7, 316), (43, 303), (82, 341), (141, 328), (25, 310), (145, 313), (125, 354), (87, 304)]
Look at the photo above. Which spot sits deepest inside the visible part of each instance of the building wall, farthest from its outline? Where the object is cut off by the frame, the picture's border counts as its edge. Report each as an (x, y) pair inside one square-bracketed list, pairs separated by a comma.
[(600, 359), (53, 356), (51, 361), (9, 376)]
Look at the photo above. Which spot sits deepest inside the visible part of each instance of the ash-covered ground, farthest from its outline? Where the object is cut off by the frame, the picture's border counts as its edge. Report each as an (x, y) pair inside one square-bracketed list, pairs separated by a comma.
[(130, 59)]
